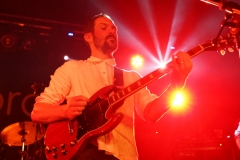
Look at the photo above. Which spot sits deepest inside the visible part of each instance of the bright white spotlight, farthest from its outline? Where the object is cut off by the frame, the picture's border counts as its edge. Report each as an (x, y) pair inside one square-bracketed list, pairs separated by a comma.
[(70, 34), (178, 100), (66, 58), (162, 65), (172, 47), (137, 61)]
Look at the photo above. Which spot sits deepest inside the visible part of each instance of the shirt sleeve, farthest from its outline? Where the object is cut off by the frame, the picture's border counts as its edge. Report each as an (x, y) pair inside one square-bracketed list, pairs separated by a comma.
[(237, 131), (142, 97), (58, 88)]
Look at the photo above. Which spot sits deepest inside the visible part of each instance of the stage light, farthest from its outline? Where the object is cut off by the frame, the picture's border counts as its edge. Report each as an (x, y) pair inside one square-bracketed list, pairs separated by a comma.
[(29, 43), (8, 41), (162, 65), (137, 61), (66, 58), (70, 34), (178, 100)]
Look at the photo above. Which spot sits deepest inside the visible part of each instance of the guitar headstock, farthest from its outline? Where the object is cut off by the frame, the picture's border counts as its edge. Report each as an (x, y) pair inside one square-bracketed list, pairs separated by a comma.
[(231, 20), (222, 44)]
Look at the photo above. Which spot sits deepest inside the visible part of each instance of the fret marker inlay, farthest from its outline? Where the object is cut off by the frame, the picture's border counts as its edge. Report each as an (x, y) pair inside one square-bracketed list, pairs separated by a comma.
[(118, 95), (113, 98), (139, 83)]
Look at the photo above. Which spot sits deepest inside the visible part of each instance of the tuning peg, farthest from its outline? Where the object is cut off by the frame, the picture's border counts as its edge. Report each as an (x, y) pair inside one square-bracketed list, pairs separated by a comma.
[(230, 49), (223, 52)]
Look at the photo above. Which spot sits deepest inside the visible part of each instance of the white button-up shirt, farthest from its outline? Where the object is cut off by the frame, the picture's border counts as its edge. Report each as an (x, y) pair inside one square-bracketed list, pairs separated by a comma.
[(85, 77)]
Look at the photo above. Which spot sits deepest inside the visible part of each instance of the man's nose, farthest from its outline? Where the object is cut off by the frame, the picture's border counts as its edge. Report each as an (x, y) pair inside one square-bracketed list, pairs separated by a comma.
[(113, 31)]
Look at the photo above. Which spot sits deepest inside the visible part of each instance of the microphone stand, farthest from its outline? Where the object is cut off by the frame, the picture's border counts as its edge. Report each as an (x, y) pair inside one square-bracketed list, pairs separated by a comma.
[(38, 88), (35, 142), (23, 132)]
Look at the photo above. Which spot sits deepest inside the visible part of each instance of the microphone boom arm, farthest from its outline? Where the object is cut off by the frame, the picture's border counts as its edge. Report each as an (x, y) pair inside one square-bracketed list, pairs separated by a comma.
[(230, 7)]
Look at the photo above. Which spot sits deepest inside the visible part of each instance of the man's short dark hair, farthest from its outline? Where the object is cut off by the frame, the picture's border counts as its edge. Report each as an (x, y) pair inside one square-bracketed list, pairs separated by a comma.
[(90, 25)]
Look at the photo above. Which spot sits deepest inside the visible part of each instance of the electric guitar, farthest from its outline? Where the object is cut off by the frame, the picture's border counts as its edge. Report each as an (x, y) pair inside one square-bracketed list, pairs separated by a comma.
[(66, 139)]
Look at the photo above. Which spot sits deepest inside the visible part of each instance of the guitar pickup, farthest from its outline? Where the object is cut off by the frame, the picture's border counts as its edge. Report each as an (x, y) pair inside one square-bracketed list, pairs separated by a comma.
[(70, 127)]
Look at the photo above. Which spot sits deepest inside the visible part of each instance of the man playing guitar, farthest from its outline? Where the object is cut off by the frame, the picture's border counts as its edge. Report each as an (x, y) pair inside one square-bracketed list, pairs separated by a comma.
[(77, 81)]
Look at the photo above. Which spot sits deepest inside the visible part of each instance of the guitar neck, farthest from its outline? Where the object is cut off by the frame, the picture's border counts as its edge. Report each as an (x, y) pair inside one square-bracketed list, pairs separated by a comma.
[(143, 82)]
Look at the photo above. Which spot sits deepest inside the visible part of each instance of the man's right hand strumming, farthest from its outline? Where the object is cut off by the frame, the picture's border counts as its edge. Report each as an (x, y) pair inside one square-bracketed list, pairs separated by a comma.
[(75, 105)]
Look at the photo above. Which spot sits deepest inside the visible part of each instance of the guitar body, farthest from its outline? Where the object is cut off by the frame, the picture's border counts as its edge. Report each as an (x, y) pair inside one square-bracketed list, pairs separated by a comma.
[(67, 139)]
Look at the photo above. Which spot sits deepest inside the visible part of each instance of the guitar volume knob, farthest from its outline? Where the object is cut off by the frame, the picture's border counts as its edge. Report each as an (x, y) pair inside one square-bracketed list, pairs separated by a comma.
[(48, 149), (63, 146), (55, 149), (55, 156), (64, 152)]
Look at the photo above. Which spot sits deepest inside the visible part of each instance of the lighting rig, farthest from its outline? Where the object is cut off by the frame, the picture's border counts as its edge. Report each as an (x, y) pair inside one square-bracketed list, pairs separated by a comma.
[(20, 33)]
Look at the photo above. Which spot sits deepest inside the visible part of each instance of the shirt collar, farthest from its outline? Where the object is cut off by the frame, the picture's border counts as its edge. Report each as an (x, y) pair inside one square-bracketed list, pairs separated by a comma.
[(110, 61)]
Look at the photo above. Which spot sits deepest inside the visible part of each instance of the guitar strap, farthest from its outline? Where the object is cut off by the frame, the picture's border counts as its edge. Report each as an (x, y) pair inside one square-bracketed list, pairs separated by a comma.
[(118, 77)]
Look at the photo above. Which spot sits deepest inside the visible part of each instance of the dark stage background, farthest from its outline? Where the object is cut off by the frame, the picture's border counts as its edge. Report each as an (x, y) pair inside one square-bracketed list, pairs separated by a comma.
[(143, 24)]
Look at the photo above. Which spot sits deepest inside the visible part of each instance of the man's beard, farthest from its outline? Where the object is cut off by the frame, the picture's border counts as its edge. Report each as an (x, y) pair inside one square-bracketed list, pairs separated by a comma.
[(108, 46)]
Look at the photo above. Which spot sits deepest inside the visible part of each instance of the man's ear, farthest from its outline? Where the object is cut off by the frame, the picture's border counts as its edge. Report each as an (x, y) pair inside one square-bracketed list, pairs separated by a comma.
[(88, 37)]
